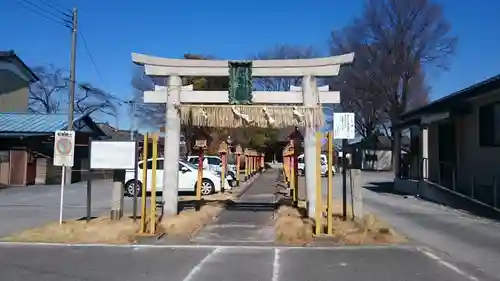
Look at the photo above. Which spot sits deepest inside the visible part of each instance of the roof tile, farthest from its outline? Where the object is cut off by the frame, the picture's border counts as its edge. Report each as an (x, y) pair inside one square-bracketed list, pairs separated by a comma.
[(33, 122)]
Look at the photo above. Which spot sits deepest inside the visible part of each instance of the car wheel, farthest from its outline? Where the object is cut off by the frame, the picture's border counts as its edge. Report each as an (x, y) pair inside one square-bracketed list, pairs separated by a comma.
[(207, 187), (129, 188)]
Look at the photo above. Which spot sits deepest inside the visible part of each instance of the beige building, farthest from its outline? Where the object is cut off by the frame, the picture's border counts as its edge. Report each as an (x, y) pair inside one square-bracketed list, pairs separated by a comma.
[(456, 146), (15, 78)]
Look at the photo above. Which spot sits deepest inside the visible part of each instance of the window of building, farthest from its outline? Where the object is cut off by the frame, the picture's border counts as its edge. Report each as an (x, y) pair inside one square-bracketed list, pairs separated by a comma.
[(489, 125)]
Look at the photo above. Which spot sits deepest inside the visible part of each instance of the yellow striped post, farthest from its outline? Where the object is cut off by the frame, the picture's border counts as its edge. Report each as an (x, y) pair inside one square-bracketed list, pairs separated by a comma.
[(144, 185), (319, 204)]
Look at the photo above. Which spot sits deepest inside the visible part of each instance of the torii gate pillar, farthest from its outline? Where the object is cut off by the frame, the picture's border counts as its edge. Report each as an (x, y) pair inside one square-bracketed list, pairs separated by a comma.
[(172, 148), (311, 98)]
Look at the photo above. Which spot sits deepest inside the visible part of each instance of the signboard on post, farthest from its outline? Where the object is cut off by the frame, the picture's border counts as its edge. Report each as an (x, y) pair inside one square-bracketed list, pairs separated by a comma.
[(344, 125), (115, 155), (64, 148), (64, 152), (344, 129)]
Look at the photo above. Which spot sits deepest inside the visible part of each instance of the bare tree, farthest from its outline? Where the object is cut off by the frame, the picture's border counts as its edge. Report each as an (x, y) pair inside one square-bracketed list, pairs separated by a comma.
[(403, 39), (412, 36), (51, 91), (92, 100), (282, 52), (44, 96), (150, 114), (356, 86)]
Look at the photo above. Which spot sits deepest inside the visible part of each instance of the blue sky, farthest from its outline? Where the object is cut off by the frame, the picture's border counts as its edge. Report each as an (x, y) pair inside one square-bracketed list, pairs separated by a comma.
[(114, 29)]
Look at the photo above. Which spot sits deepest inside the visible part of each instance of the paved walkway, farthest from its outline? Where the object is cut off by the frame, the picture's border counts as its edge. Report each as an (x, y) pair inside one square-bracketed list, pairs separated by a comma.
[(248, 219)]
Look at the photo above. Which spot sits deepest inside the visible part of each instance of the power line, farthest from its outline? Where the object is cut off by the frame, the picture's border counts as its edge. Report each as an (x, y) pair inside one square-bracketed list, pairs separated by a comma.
[(56, 6), (58, 15), (90, 56), (50, 17)]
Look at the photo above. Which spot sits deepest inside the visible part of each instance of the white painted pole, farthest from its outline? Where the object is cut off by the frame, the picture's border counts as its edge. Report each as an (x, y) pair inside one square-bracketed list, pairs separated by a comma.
[(172, 146), (61, 204), (309, 91)]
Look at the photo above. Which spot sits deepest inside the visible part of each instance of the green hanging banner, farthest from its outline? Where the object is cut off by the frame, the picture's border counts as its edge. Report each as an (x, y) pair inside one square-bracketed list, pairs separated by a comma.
[(240, 82)]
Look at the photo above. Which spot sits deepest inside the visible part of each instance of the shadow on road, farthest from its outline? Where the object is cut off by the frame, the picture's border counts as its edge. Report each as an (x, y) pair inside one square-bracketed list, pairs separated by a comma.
[(231, 205), (384, 187), (440, 197)]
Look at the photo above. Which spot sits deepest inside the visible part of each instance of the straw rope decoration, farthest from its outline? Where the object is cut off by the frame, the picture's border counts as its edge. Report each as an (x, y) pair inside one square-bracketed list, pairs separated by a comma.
[(240, 112), (233, 116)]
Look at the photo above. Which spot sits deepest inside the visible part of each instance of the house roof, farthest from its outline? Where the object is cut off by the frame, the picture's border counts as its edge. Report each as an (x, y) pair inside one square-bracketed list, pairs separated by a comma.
[(34, 123), (454, 99), (114, 133), (13, 58)]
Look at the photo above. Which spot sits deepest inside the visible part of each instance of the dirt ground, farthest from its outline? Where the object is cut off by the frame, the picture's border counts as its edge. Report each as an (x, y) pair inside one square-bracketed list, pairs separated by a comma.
[(292, 227), (125, 231)]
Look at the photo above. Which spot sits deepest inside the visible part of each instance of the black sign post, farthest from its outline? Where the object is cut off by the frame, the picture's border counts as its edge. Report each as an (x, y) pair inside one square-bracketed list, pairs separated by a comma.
[(89, 188), (136, 182)]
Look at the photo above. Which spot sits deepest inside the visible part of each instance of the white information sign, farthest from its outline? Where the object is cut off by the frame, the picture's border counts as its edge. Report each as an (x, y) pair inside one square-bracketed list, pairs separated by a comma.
[(344, 125), (64, 148), (112, 155)]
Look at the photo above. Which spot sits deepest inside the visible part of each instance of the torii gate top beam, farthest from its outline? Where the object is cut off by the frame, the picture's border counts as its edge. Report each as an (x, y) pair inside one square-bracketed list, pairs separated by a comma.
[(321, 67)]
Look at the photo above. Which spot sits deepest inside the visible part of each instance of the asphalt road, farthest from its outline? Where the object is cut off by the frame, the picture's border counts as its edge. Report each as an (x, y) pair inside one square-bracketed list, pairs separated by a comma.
[(28, 207), (470, 242), (219, 264)]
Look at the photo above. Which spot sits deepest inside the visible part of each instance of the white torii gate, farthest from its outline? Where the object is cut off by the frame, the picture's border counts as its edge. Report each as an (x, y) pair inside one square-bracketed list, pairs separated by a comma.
[(267, 108)]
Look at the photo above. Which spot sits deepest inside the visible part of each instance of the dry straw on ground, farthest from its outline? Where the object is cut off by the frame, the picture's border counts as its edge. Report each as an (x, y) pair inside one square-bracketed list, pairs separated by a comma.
[(292, 228), (124, 231), (187, 223), (99, 230)]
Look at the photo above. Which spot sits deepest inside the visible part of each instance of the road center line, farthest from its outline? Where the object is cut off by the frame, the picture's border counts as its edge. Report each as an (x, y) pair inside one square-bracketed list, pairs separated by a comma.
[(448, 265), (276, 265), (197, 268)]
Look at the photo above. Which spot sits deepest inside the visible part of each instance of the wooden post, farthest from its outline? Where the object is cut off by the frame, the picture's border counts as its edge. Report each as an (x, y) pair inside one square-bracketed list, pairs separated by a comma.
[(286, 164), (247, 164), (254, 162), (295, 143), (250, 159), (238, 152), (293, 173), (262, 163), (223, 150), (330, 185), (145, 145), (200, 145), (152, 204), (319, 191)]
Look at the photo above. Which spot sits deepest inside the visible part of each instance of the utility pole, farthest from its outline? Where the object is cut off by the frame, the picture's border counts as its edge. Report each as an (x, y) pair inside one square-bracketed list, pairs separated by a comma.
[(72, 78), (72, 75)]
